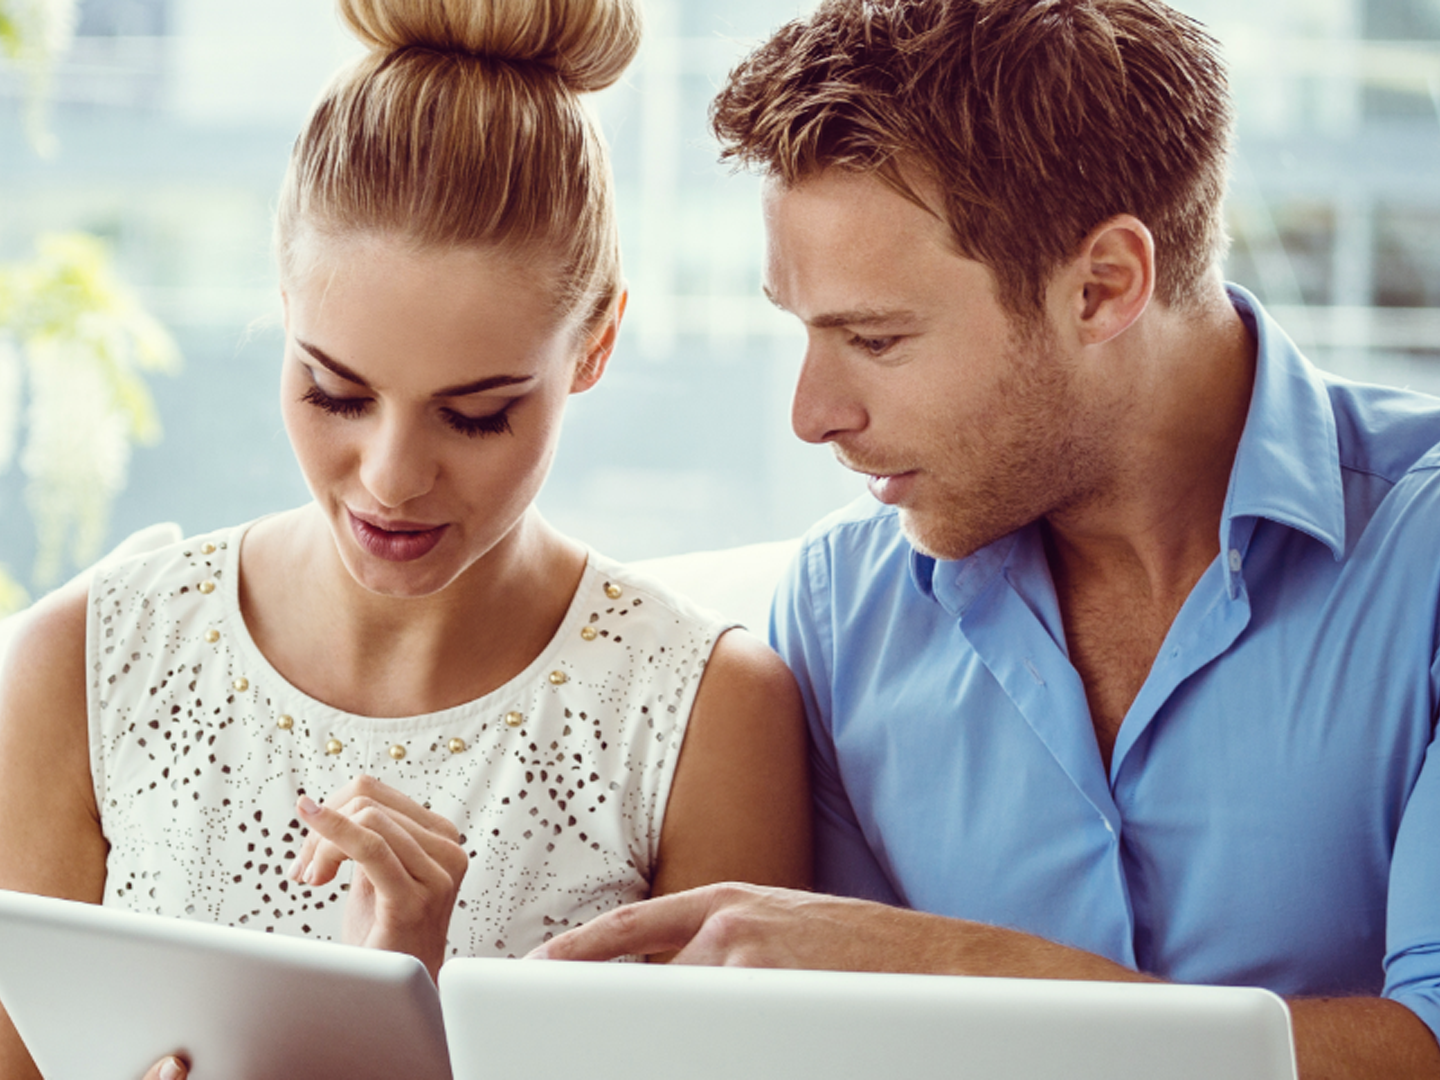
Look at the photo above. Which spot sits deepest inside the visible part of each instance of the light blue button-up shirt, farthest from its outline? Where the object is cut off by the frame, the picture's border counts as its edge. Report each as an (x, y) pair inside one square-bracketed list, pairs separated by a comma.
[(1268, 818)]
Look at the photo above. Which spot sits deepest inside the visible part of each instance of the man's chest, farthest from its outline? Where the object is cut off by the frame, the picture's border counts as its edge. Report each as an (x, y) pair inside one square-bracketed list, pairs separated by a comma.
[(1261, 771), (1112, 640)]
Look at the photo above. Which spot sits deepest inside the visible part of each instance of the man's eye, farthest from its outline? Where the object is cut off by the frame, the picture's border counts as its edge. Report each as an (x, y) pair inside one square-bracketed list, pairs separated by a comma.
[(336, 406), (874, 346)]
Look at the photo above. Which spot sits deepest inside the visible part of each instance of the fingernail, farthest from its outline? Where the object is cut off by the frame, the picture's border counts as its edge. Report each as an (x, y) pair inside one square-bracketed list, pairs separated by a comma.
[(540, 952), (171, 1070), (308, 806), (309, 877), (294, 872)]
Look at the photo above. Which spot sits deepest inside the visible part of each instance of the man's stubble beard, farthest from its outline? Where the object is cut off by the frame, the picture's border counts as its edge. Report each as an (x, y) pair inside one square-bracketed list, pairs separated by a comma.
[(1044, 454)]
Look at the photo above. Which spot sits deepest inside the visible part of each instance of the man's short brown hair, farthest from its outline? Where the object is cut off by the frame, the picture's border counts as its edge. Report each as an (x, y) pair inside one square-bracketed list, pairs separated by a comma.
[(1036, 120)]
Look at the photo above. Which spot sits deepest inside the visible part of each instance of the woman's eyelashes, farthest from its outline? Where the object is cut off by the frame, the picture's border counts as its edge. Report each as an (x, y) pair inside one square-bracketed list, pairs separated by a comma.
[(336, 406), (496, 423)]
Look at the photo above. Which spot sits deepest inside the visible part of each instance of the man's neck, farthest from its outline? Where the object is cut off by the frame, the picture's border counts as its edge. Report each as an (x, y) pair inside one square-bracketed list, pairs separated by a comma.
[(1125, 559), (1184, 386)]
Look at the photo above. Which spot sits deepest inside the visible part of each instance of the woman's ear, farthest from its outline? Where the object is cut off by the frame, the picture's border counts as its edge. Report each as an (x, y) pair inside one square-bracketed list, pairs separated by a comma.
[(1111, 280), (599, 345)]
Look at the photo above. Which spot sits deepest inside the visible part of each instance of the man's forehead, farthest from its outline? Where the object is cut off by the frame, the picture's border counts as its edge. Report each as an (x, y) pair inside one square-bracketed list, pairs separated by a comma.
[(844, 228), (848, 206)]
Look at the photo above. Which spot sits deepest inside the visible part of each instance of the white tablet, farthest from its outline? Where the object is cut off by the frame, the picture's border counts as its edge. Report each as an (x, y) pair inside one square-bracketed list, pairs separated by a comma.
[(98, 994), (548, 1020)]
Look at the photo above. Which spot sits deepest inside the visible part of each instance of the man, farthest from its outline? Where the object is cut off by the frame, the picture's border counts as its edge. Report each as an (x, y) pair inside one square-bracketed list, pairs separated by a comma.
[(1131, 672)]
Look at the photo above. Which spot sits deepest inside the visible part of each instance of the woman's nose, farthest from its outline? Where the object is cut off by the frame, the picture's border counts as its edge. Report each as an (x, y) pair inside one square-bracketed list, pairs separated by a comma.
[(398, 465)]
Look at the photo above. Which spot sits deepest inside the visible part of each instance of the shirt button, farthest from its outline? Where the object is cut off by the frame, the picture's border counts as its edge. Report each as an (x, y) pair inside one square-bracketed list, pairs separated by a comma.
[(1235, 562)]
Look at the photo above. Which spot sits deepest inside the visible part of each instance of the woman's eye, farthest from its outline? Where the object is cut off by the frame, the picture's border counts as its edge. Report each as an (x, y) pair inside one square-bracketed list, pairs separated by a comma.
[(336, 406), (495, 424), (874, 346)]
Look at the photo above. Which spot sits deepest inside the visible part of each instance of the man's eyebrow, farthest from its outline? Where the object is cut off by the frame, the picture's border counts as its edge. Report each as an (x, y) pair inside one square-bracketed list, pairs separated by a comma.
[(479, 386), (862, 317), (857, 317)]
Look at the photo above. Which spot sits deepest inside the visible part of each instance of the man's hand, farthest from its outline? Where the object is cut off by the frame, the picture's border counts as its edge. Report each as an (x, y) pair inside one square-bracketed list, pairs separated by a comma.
[(749, 926), (409, 865)]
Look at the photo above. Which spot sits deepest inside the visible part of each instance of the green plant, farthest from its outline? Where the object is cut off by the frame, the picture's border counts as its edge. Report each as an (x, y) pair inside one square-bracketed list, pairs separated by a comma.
[(74, 343), (33, 34)]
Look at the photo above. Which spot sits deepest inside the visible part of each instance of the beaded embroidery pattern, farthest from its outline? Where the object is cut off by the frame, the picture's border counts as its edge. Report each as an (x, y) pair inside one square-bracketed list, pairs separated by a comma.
[(557, 780)]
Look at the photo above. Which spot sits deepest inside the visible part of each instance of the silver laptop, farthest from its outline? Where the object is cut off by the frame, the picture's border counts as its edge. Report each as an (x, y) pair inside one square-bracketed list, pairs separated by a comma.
[(549, 1019), (98, 994)]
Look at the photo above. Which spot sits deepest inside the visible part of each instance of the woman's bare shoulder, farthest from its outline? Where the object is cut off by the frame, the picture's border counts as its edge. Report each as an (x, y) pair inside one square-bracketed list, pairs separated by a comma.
[(739, 807), (50, 839), (46, 660)]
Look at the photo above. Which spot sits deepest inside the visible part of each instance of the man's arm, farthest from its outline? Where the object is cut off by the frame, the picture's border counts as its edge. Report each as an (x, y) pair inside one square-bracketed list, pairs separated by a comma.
[(1336, 1039)]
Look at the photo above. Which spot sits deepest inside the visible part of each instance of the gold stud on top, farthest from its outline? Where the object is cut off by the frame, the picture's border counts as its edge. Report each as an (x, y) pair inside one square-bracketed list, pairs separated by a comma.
[(207, 587), (285, 723), (241, 685), (559, 678), (333, 747), (514, 719), (207, 549), (589, 633), (397, 752), (212, 636), (614, 592), (457, 746)]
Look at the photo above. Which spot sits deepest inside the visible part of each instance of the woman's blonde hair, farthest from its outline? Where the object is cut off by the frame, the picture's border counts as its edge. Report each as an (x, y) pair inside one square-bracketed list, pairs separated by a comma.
[(463, 127)]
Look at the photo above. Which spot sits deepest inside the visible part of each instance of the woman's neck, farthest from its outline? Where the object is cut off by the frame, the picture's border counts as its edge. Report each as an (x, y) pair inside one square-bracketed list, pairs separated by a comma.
[(377, 655)]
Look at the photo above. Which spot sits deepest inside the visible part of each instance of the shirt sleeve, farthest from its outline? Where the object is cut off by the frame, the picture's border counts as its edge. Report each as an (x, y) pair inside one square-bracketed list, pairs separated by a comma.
[(1412, 924), (802, 632)]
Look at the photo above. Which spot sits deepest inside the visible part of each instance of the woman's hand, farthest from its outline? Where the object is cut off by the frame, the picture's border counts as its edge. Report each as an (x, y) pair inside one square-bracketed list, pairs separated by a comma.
[(170, 1068), (408, 867)]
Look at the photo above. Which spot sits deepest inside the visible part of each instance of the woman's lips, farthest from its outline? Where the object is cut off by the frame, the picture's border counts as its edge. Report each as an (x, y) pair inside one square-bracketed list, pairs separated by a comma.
[(395, 541), (891, 490)]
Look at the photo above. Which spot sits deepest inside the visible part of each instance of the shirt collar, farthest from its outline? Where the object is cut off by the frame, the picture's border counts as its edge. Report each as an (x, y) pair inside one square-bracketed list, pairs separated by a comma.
[(1287, 469)]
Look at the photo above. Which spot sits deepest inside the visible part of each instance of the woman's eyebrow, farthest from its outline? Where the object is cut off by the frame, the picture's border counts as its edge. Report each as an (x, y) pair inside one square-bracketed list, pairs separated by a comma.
[(479, 386)]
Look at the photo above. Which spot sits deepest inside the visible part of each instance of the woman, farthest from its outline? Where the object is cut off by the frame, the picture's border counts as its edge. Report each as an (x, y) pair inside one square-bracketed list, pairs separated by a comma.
[(493, 716)]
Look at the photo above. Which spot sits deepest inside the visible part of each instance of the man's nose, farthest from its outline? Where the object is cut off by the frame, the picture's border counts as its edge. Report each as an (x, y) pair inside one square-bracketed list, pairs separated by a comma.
[(825, 406)]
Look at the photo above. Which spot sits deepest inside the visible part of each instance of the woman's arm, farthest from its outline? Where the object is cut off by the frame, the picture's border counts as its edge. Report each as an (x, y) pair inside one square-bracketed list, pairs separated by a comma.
[(50, 837), (739, 807)]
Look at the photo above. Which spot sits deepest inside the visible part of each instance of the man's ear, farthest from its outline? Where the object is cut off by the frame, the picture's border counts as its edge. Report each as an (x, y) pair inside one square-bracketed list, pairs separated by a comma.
[(1111, 280), (599, 345)]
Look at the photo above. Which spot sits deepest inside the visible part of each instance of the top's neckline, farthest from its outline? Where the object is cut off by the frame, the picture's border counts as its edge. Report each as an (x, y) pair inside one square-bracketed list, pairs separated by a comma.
[(259, 670)]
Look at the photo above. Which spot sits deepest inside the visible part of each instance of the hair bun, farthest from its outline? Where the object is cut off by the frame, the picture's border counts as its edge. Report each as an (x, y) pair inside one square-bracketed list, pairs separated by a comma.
[(587, 43)]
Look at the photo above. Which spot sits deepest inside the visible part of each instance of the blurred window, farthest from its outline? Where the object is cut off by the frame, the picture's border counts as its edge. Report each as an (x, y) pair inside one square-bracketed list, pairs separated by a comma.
[(174, 120)]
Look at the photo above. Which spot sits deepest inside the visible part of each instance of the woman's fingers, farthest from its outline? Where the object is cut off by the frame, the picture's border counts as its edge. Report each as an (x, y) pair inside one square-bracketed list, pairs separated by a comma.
[(394, 851), (361, 793), (409, 866), (170, 1068), (335, 842)]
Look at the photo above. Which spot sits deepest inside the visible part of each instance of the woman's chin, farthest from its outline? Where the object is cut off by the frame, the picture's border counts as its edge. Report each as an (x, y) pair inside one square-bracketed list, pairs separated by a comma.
[(409, 579)]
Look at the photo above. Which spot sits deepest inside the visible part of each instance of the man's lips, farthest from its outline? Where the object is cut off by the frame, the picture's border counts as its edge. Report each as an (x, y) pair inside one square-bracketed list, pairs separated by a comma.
[(890, 488), (395, 541)]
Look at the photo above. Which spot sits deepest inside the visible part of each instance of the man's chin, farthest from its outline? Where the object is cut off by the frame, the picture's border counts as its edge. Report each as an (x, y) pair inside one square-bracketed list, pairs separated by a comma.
[(945, 539)]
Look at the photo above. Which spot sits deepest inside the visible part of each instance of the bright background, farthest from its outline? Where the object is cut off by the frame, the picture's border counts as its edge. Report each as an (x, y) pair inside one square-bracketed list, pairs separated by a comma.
[(174, 120)]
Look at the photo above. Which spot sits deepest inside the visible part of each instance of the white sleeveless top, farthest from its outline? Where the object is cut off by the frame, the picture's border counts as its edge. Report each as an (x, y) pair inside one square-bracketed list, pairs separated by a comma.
[(557, 781)]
